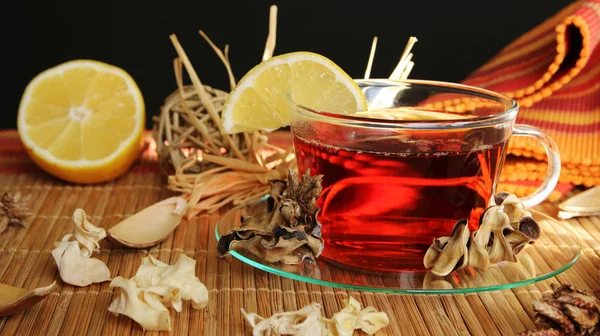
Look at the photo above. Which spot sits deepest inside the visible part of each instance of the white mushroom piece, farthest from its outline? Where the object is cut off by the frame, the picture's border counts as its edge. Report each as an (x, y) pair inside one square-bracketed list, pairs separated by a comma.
[(73, 257), (145, 298), (310, 321), (505, 228)]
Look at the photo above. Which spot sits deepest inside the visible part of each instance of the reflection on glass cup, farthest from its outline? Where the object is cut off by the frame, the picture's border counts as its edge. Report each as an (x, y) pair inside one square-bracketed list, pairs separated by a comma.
[(391, 186)]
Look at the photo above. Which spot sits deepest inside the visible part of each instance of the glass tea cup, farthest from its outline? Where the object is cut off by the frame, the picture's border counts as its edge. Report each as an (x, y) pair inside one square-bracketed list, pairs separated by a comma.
[(391, 186)]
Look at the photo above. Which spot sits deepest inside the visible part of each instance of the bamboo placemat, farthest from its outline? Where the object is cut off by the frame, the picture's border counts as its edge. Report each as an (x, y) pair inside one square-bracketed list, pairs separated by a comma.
[(25, 261)]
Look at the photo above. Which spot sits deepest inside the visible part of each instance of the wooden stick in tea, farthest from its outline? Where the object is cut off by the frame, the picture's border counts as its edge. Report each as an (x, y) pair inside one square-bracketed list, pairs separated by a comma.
[(399, 71), (371, 57)]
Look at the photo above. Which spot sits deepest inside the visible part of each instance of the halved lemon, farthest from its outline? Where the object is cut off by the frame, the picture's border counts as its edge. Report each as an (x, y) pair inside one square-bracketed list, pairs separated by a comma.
[(82, 121), (261, 100)]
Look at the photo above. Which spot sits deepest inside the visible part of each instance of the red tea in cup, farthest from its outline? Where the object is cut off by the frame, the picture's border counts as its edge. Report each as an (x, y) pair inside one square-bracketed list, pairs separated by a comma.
[(391, 186)]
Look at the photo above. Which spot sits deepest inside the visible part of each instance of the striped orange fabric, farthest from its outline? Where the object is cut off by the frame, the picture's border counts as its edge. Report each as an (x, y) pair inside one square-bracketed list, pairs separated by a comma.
[(553, 71)]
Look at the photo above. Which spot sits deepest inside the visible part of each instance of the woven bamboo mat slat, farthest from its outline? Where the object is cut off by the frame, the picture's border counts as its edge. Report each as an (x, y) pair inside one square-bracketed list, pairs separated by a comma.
[(26, 261)]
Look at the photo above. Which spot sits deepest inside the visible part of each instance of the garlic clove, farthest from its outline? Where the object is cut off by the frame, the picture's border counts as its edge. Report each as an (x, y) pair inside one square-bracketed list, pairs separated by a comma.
[(15, 299), (151, 225), (76, 269), (585, 202), (129, 304)]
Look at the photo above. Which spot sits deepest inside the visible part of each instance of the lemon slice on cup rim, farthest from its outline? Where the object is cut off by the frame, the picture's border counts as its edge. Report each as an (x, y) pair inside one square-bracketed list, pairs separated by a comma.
[(261, 100), (82, 121)]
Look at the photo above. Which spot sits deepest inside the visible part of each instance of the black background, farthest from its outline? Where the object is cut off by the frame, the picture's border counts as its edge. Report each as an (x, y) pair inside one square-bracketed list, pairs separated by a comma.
[(455, 37)]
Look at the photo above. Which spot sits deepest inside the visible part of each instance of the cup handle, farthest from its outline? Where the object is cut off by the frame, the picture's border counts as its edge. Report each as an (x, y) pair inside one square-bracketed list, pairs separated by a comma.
[(553, 172)]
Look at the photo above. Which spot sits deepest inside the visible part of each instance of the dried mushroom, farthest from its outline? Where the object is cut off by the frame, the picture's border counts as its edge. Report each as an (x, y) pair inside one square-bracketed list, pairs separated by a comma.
[(151, 225), (15, 299), (13, 210), (73, 258), (505, 228), (449, 254), (310, 321), (145, 298), (288, 231)]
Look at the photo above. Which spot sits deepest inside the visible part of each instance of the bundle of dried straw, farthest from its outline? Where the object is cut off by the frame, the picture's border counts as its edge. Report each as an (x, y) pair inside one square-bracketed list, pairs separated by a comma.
[(209, 167)]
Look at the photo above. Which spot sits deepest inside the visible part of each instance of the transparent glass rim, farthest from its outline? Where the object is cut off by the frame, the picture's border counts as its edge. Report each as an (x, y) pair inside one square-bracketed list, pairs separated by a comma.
[(432, 291), (511, 107)]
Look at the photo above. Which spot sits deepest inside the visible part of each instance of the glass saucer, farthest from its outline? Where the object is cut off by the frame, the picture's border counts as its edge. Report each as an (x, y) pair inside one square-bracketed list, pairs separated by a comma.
[(554, 252)]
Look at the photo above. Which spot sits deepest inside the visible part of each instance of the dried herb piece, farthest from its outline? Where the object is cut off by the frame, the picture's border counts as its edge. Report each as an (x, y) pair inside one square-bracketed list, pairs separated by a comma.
[(567, 311), (505, 228), (287, 231), (13, 210)]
